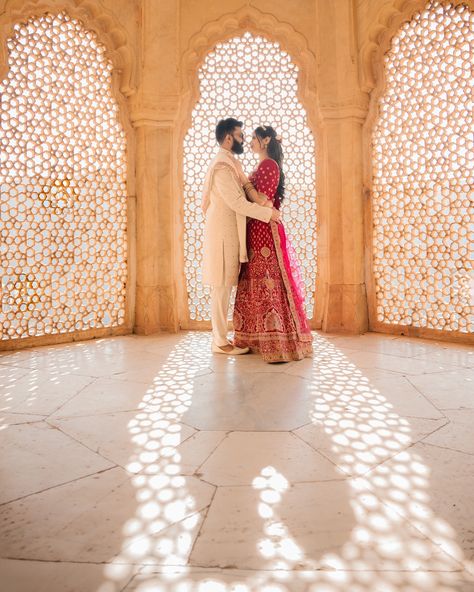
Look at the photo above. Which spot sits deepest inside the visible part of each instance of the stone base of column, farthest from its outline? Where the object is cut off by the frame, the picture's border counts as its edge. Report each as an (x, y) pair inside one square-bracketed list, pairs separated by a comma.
[(155, 310), (345, 309)]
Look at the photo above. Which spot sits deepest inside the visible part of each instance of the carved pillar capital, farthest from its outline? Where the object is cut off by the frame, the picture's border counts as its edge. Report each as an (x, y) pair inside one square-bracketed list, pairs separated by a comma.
[(355, 112), (154, 111)]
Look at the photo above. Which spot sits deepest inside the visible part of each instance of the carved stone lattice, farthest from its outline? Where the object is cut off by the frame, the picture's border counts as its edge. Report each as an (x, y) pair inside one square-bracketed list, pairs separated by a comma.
[(253, 80), (63, 183), (422, 174)]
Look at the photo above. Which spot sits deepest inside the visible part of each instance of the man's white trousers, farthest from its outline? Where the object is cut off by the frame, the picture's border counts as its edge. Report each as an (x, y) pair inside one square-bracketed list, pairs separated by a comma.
[(220, 298)]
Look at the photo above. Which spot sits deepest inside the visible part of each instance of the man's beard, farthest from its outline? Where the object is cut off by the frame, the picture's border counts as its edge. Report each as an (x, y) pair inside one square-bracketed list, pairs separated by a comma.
[(237, 147)]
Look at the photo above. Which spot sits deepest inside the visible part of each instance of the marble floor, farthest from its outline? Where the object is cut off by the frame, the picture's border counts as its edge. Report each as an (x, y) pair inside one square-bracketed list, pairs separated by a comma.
[(147, 464)]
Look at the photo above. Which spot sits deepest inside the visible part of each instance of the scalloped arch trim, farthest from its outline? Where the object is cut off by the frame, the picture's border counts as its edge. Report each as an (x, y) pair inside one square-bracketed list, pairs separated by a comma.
[(386, 25), (94, 17), (251, 19)]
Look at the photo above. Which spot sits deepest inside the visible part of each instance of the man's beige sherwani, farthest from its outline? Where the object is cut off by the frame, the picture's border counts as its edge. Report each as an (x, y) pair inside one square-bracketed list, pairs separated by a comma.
[(226, 209)]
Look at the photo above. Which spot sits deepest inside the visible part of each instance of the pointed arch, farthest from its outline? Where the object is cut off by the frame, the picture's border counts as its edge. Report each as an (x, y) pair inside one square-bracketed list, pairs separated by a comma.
[(112, 39), (254, 21), (246, 20), (390, 22)]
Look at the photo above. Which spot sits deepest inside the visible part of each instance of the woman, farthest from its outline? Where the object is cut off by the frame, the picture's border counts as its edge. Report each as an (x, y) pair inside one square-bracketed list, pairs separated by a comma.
[(269, 312)]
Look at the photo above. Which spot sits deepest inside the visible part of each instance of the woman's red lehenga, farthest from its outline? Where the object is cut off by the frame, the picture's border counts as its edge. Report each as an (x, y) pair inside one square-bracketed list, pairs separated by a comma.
[(269, 312)]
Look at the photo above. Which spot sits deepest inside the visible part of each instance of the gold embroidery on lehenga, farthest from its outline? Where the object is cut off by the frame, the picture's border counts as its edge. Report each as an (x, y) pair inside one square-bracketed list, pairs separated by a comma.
[(269, 283), (273, 321)]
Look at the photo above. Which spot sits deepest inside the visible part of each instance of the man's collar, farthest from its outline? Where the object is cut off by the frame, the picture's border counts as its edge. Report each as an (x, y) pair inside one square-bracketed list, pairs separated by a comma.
[(224, 152)]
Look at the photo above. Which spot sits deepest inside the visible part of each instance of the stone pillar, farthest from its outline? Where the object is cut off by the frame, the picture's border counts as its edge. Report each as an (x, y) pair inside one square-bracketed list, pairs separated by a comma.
[(153, 116), (342, 302)]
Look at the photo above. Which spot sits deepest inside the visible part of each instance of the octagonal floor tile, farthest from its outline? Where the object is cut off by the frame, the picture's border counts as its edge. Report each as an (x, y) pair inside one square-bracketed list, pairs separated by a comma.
[(104, 516), (400, 364), (195, 450), (432, 488), (457, 434), (242, 455), (41, 393), (364, 450), (275, 526), (248, 401), (31, 461), (448, 390), (105, 395), (112, 436)]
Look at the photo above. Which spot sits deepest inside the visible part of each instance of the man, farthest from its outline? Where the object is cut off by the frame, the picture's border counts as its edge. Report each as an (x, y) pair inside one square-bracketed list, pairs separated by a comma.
[(226, 209)]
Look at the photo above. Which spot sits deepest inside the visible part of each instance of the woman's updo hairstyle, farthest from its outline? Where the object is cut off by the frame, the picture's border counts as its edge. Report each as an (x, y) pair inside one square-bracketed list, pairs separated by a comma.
[(275, 152)]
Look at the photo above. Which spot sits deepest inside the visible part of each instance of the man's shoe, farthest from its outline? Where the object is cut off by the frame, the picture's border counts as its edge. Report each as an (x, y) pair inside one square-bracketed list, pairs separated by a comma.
[(235, 351)]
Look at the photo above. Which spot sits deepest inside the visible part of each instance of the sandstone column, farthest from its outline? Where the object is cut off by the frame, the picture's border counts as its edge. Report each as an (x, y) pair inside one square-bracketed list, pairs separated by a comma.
[(153, 116), (342, 301)]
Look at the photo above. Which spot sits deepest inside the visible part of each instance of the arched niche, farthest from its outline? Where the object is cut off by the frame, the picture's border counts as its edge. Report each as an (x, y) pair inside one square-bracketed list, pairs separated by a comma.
[(440, 312), (62, 190), (259, 25)]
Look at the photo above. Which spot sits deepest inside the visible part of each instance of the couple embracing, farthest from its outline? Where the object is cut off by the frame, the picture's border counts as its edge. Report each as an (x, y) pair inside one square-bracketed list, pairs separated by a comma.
[(245, 245)]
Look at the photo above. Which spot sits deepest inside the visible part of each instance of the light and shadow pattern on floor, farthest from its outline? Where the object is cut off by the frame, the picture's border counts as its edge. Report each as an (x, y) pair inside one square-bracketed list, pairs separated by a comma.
[(147, 464)]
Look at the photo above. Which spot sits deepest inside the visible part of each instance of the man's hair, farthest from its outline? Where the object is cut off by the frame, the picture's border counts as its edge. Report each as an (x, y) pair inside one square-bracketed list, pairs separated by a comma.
[(226, 126)]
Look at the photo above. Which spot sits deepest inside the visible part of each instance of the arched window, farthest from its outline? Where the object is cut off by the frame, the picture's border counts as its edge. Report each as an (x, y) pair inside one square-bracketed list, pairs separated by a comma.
[(253, 80), (62, 178), (422, 156)]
